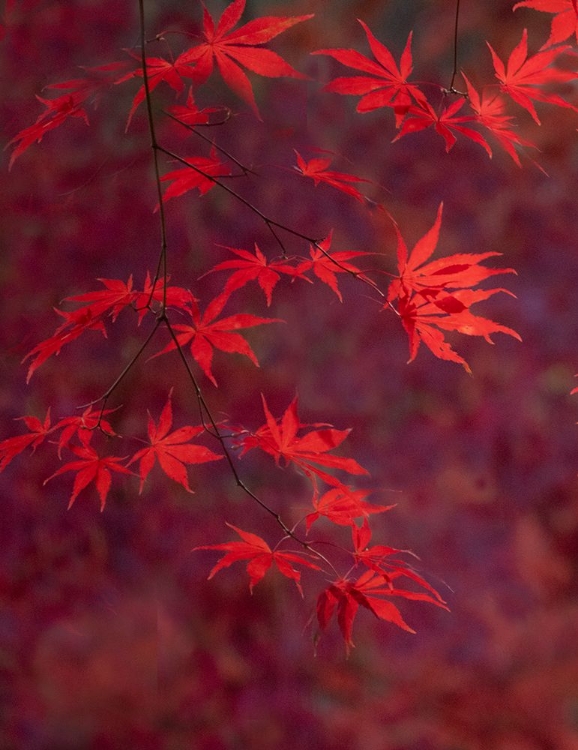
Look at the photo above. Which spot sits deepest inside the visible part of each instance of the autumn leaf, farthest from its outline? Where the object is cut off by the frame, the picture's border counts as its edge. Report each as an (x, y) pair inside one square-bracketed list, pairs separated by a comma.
[(206, 334), (317, 170), (326, 265), (91, 468), (490, 113), (458, 271), (13, 446), (423, 115), (83, 426), (280, 439), (254, 268), (523, 78), (200, 175), (231, 49), (565, 21), (172, 450), (385, 83), (342, 505), (260, 557)]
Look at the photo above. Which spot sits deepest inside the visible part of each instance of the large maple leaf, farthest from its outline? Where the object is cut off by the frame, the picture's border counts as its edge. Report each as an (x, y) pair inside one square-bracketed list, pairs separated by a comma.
[(232, 48), (260, 558), (280, 439), (173, 450), (565, 21), (91, 467), (523, 78), (385, 83), (206, 334)]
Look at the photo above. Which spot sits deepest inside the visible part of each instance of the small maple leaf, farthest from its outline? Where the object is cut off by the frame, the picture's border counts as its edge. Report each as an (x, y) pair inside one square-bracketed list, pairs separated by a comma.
[(91, 468), (524, 77), (490, 111), (342, 505), (173, 451), (385, 83), (13, 446), (201, 175), (371, 592), (83, 427), (279, 439), (423, 115), (190, 114), (254, 268), (260, 558), (231, 49), (565, 21), (206, 334), (317, 170), (326, 265)]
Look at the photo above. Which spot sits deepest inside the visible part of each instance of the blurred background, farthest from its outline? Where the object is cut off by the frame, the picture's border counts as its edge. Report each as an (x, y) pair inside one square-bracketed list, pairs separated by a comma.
[(110, 635)]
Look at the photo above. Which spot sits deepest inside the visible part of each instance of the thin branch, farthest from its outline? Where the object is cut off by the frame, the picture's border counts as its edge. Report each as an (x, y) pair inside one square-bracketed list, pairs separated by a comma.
[(455, 70)]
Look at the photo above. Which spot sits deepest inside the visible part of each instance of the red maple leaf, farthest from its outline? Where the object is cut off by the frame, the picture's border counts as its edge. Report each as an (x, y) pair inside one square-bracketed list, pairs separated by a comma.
[(37, 432), (565, 21), (490, 111), (384, 85), (206, 334), (91, 468), (317, 170), (458, 271), (426, 321), (173, 451), (423, 115), (280, 439), (371, 592), (260, 557), (326, 265), (83, 426), (158, 70), (524, 77), (231, 49), (196, 176), (254, 268), (342, 505), (190, 114)]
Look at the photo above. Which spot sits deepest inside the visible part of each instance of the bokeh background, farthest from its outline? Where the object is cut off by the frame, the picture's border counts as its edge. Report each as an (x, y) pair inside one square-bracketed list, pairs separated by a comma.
[(110, 635)]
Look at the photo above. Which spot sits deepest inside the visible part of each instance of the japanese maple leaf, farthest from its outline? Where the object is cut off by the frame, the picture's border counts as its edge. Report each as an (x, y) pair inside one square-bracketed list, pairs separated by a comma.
[(426, 319), (342, 506), (205, 334), (83, 426), (197, 176), (172, 450), (260, 558), (253, 268), (280, 439), (190, 114), (523, 77), (75, 324), (112, 299), (37, 432), (490, 111), (232, 48), (385, 83), (317, 170), (458, 271), (372, 592), (91, 468), (68, 105), (423, 115), (158, 71), (326, 265), (565, 21)]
